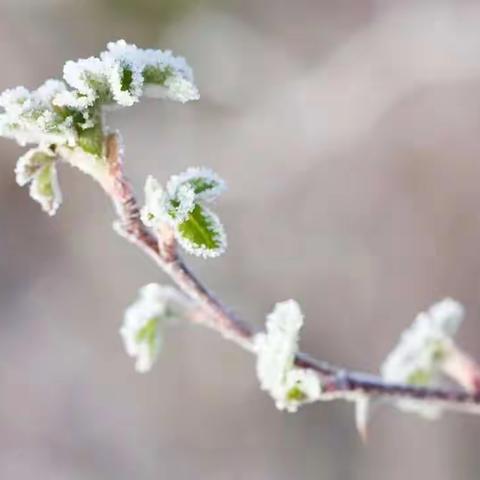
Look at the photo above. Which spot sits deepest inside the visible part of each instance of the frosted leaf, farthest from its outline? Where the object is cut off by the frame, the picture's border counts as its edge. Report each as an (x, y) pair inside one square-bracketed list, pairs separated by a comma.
[(30, 117), (160, 207), (206, 184), (145, 319), (197, 229), (175, 88), (201, 233), (37, 167), (301, 386), (418, 357), (88, 79), (276, 348), (45, 190), (30, 163), (122, 74)]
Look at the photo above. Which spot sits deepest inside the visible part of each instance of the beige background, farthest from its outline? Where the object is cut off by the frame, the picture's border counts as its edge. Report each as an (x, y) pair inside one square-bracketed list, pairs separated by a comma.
[(349, 135)]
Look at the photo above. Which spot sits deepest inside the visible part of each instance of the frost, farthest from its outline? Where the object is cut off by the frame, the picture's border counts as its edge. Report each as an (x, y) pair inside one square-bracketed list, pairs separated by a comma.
[(181, 205), (153, 210), (67, 117), (122, 74), (37, 167), (418, 357), (206, 184), (145, 319), (69, 112), (30, 117), (161, 207), (288, 385)]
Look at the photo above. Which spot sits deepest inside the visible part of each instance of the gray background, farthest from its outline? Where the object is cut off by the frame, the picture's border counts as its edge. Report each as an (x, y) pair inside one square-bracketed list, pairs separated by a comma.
[(349, 135)]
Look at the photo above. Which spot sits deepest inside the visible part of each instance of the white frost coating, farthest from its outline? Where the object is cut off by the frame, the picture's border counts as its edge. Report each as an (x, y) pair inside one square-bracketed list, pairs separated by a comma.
[(288, 385), (30, 162), (145, 319), (123, 73), (45, 189), (422, 349), (153, 210), (29, 117), (212, 184), (158, 206), (37, 167)]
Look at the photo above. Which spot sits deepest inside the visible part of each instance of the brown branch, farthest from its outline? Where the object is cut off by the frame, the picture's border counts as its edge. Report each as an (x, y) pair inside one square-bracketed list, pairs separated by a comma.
[(337, 382)]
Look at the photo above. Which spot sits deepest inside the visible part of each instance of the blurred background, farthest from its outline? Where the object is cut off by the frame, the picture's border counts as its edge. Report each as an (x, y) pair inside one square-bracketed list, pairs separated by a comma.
[(349, 134)]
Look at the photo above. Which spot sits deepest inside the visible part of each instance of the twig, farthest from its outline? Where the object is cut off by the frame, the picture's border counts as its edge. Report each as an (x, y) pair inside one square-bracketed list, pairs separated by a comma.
[(336, 382)]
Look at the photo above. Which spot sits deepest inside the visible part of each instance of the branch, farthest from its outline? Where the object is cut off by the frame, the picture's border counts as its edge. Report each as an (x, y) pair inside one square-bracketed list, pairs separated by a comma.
[(336, 382)]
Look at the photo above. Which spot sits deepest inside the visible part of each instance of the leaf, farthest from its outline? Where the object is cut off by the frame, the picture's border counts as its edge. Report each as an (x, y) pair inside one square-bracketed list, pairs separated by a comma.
[(45, 189), (30, 163), (205, 183), (156, 75), (91, 139), (202, 233), (126, 79)]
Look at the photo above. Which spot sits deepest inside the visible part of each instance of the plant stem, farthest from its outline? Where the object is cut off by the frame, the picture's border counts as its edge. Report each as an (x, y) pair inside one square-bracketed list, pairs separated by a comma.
[(337, 382)]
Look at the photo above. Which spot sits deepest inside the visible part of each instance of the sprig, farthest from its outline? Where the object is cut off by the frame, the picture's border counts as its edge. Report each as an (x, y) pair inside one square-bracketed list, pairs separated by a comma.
[(64, 121), (182, 206)]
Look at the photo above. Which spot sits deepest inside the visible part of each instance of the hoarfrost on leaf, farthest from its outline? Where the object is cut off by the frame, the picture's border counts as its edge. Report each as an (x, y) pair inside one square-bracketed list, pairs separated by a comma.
[(181, 205), (206, 184), (123, 73), (422, 350), (145, 319), (37, 167), (31, 118), (289, 386)]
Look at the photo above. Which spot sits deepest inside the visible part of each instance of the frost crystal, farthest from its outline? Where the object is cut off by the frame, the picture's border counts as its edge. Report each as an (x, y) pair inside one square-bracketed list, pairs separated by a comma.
[(418, 357), (288, 385), (181, 205), (145, 319)]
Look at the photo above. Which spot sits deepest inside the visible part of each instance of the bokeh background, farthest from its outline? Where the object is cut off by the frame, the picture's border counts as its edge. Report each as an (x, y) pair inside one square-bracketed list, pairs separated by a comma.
[(349, 133)]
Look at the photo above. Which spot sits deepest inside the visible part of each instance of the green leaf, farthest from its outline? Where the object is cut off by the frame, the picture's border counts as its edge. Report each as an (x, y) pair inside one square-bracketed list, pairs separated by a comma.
[(148, 334), (45, 190), (202, 233), (91, 139), (203, 184), (157, 76), (127, 79)]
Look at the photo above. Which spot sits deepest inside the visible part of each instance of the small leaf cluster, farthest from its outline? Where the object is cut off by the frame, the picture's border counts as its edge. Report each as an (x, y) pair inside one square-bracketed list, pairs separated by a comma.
[(67, 116), (182, 205)]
